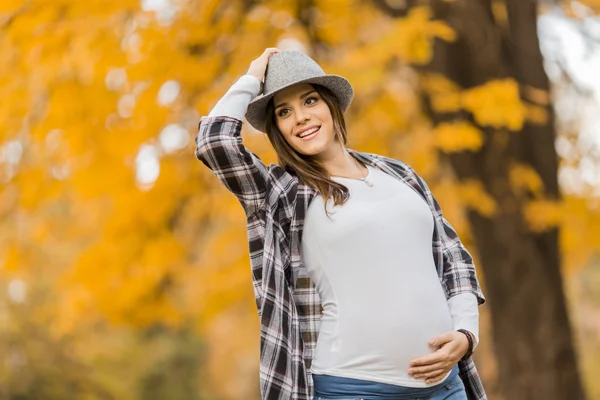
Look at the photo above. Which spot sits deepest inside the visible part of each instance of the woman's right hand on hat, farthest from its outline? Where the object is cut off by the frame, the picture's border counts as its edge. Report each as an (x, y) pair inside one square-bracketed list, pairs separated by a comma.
[(259, 66)]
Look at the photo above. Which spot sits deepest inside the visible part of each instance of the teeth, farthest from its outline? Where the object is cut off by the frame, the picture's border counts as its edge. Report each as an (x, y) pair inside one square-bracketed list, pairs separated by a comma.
[(303, 134)]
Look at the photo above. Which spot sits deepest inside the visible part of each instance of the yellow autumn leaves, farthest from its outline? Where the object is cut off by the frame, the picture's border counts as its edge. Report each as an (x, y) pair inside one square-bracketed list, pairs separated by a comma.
[(458, 136), (496, 104), (414, 35)]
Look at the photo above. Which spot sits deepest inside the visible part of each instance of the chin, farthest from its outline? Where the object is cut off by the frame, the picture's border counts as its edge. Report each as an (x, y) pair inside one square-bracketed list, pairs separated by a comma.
[(317, 146), (313, 149), (309, 153)]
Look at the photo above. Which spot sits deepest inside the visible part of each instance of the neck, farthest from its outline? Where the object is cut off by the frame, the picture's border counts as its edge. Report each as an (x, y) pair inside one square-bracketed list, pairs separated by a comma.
[(339, 162)]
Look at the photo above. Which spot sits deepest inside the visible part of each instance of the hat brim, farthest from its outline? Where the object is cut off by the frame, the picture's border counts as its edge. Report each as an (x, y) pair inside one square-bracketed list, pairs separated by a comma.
[(340, 86)]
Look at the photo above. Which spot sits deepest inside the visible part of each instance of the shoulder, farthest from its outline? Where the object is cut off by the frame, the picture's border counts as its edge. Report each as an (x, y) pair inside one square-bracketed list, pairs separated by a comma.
[(281, 178), (400, 166), (393, 162), (399, 163), (284, 187)]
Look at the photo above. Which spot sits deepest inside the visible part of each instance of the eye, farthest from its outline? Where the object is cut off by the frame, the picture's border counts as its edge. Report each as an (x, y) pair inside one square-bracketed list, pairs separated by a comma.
[(281, 114)]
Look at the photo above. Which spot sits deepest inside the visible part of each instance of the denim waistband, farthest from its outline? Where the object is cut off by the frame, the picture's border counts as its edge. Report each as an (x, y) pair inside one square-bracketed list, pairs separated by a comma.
[(337, 387)]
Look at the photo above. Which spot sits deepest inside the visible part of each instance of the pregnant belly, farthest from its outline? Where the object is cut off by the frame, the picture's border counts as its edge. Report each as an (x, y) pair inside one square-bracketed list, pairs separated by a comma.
[(382, 342)]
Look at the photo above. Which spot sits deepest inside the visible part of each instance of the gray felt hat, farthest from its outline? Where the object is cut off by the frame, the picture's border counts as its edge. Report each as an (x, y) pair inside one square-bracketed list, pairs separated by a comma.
[(287, 68)]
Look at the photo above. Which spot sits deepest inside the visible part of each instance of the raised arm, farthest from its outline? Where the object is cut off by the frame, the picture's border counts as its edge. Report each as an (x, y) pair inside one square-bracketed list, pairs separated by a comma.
[(219, 143)]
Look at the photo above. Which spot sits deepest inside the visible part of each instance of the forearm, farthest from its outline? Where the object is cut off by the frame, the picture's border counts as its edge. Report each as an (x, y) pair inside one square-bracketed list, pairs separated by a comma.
[(220, 147), (235, 102), (465, 314)]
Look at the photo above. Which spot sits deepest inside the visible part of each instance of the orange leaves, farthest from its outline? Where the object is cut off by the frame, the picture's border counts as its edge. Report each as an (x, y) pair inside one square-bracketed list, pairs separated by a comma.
[(383, 117), (537, 96), (446, 102), (445, 95), (458, 136), (577, 218), (32, 182), (413, 35), (160, 252), (475, 197), (124, 278), (87, 87), (536, 115), (10, 6), (542, 215), (500, 12), (382, 38), (497, 104), (12, 257), (579, 236), (437, 83), (524, 178), (337, 20)]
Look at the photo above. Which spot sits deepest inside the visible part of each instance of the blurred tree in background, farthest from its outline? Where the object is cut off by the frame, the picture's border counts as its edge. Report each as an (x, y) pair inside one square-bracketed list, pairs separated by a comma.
[(494, 119), (124, 262)]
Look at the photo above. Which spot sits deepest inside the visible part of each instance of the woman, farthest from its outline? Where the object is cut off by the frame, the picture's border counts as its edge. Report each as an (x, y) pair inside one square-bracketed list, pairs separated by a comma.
[(347, 247)]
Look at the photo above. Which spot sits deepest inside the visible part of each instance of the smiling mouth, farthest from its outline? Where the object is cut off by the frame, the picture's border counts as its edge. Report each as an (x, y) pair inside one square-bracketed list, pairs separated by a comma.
[(311, 135)]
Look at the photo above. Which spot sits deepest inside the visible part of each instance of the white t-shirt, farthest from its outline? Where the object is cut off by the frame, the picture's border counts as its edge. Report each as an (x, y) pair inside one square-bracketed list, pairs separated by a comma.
[(373, 266)]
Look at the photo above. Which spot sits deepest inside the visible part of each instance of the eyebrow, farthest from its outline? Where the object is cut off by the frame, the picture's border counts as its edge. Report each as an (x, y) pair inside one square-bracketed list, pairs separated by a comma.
[(301, 96)]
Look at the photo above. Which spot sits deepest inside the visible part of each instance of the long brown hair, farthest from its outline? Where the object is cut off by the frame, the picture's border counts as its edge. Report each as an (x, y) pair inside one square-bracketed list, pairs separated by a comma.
[(307, 168)]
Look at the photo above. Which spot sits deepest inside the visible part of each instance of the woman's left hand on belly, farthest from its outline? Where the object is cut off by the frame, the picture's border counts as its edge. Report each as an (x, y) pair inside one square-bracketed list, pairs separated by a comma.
[(433, 367)]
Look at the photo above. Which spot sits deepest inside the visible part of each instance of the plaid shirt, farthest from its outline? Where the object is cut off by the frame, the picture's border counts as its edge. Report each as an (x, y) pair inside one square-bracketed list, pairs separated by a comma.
[(289, 307)]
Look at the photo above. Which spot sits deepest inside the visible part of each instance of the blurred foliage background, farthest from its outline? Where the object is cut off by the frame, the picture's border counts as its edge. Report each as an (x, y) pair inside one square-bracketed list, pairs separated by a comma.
[(124, 270)]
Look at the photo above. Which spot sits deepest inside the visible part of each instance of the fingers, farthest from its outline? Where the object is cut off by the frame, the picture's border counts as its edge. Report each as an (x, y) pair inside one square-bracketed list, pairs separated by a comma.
[(259, 66), (443, 338), (436, 378), (432, 376), (431, 373), (433, 367), (264, 57), (440, 355), (426, 371), (270, 50)]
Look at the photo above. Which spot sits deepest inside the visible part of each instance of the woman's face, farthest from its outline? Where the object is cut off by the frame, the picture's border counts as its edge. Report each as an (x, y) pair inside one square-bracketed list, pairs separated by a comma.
[(299, 109)]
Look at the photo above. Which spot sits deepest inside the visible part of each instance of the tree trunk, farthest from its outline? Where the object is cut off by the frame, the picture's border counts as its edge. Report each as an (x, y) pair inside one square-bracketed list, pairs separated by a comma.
[(531, 331)]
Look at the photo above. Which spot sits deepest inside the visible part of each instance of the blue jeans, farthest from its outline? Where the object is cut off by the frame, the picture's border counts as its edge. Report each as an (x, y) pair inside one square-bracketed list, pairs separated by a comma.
[(451, 389)]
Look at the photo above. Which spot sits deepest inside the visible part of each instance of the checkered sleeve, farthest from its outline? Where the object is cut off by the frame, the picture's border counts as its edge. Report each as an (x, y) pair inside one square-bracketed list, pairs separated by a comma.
[(219, 146)]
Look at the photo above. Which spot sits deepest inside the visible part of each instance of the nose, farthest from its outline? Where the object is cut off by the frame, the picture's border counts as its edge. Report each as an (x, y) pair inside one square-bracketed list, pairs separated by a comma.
[(301, 117)]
